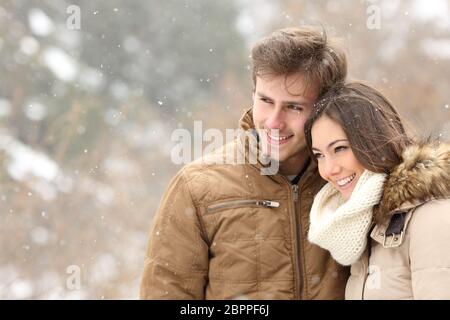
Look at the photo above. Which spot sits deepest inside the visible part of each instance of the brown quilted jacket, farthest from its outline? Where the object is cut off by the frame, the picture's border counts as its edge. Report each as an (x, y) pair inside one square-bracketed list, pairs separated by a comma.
[(227, 232)]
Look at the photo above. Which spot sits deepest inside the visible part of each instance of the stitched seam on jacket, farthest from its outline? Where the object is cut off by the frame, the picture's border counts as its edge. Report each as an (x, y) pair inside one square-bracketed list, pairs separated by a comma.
[(430, 268), (257, 249), (232, 240), (172, 267), (199, 218), (248, 281), (204, 237)]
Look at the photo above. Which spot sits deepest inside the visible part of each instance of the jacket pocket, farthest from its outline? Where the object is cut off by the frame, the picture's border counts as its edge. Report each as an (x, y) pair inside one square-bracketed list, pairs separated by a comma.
[(246, 238), (241, 203)]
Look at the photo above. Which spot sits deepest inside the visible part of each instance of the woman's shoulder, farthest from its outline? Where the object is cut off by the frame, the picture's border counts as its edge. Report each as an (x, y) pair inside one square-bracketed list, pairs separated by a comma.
[(430, 222), (433, 210)]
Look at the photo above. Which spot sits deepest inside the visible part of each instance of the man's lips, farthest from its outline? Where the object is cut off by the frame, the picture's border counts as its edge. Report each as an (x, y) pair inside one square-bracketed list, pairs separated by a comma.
[(279, 140)]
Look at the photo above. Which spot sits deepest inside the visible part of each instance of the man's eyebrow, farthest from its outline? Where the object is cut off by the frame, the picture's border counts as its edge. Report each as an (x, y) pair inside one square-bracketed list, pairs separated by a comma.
[(302, 102), (330, 144), (262, 95)]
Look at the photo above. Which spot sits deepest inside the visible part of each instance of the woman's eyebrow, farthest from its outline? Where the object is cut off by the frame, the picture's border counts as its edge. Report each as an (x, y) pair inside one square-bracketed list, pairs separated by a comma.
[(330, 144), (335, 141)]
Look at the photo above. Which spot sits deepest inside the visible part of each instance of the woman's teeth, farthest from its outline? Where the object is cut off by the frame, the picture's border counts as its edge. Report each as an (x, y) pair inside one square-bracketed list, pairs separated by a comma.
[(346, 181)]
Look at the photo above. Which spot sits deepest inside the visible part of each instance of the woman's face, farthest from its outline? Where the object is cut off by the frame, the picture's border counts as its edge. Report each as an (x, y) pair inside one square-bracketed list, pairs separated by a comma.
[(337, 163)]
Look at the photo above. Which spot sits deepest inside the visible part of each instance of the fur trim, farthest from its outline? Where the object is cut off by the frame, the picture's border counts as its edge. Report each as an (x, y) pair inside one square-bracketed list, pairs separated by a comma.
[(424, 174)]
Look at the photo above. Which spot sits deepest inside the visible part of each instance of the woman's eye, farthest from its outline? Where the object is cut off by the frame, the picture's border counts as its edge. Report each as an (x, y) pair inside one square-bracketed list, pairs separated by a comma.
[(340, 148), (317, 156), (265, 100)]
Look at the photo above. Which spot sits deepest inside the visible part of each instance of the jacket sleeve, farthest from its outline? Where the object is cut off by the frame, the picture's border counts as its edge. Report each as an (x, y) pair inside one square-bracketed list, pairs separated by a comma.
[(176, 265), (430, 250)]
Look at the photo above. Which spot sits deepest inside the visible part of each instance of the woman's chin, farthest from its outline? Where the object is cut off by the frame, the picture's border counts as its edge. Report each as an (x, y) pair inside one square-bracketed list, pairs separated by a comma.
[(346, 195), (346, 192)]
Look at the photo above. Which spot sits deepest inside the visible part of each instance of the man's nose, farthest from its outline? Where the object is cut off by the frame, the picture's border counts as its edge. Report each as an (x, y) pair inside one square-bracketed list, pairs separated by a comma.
[(276, 119)]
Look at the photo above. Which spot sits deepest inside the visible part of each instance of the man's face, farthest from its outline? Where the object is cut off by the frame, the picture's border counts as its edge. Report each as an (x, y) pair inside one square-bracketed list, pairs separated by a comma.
[(283, 104)]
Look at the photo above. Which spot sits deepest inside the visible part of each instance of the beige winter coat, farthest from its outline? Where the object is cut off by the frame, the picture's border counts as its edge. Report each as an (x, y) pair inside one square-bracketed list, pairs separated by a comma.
[(412, 261), (227, 232)]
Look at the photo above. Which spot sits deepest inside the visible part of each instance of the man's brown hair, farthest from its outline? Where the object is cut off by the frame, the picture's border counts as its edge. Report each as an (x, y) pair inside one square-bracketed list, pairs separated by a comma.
[(306, 50)]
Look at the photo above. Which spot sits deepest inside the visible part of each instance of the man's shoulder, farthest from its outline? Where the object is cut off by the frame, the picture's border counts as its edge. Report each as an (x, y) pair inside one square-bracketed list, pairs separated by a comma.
[(224, 157), (218, 176)]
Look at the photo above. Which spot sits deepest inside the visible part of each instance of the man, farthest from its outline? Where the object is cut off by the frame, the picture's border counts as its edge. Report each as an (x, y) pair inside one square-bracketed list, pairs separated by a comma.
[(233, 232)]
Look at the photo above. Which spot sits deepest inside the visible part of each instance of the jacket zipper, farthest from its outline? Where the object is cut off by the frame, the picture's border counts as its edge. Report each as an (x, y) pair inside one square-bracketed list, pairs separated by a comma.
[(366, 275), (239, 203), (366, 262), (295, 199), (297, 242)]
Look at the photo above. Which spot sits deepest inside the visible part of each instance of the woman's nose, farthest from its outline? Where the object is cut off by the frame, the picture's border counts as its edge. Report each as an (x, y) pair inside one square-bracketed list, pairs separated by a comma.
[(332, 167)]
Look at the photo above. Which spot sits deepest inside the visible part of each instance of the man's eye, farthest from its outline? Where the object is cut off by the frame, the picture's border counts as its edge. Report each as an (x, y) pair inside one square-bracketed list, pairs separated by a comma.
[(295, 107), (265, 100)]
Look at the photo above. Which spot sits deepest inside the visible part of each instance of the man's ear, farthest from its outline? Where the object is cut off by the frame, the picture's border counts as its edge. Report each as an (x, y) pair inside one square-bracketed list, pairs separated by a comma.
[(253, 96)]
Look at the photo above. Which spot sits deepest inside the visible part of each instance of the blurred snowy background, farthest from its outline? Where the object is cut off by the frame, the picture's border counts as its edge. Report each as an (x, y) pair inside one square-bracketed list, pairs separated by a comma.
[(91, 91)]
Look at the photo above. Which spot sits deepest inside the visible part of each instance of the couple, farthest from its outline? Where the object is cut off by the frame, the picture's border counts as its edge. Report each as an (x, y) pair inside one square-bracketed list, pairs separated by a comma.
[(357, 209)]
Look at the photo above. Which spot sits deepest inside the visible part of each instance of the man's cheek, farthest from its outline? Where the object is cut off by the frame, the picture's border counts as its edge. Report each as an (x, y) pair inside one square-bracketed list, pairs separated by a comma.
[(257, 118)]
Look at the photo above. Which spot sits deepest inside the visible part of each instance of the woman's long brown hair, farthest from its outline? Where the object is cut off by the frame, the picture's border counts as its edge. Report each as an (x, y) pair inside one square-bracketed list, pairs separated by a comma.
[(373, 127)]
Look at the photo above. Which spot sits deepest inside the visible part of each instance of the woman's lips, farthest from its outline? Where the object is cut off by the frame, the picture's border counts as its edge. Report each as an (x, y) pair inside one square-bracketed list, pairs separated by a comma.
[(348, 184)]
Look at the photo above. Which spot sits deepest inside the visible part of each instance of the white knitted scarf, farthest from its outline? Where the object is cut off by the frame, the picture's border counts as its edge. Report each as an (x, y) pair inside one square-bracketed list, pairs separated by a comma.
[(340, 226)]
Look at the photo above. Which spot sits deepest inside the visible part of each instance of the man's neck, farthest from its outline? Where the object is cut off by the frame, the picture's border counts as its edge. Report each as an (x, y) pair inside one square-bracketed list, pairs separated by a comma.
[(293, 165)]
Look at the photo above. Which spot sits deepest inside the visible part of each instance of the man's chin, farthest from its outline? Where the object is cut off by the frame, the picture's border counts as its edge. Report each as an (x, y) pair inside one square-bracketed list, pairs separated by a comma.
[(273, 157), (292, 156), (280, 153)]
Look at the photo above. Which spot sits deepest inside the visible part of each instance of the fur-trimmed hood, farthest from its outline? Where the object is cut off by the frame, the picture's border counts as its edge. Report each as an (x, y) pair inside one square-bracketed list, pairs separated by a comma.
[(424, 174)]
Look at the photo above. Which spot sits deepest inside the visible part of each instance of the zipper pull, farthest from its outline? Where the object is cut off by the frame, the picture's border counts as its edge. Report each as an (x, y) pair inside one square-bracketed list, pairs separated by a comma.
[(295, 191), (270, 204)]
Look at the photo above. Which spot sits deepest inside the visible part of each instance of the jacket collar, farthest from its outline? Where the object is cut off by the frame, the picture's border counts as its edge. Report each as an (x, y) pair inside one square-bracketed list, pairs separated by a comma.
[(379, 232), (423, 175), (248, 131), (246, 121)]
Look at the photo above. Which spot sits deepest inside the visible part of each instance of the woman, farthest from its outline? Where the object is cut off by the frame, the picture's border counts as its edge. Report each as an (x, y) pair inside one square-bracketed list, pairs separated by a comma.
[(386, 208)]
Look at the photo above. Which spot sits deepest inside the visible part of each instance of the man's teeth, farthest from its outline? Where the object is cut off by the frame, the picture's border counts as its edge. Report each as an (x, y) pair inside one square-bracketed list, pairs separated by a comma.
[(345, 181), (278, 138)]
